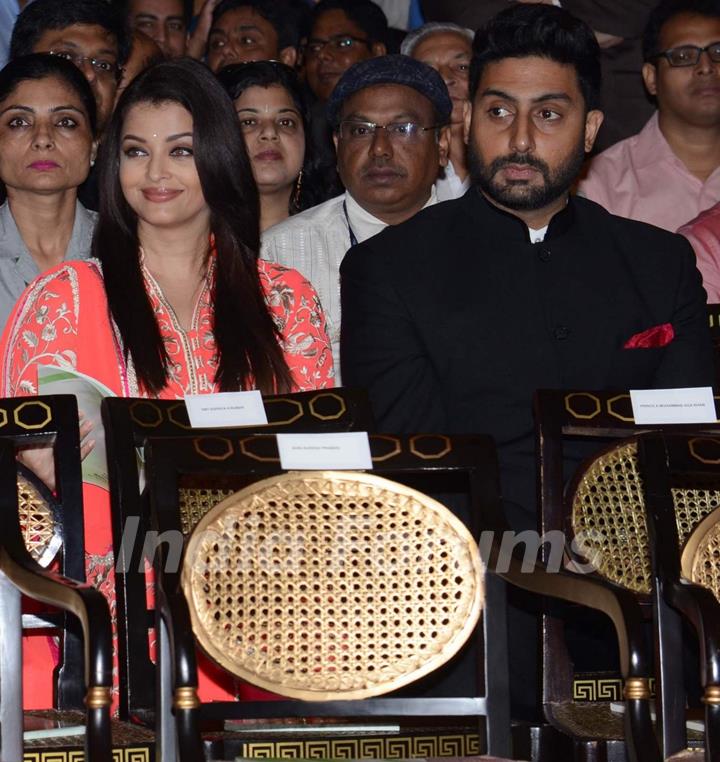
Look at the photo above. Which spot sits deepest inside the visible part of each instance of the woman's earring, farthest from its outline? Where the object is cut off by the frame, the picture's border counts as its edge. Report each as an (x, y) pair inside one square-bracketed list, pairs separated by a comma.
[(297, 192)]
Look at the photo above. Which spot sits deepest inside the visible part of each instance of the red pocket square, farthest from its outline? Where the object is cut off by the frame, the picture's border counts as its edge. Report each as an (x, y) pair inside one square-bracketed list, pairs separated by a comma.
[(657, 336)]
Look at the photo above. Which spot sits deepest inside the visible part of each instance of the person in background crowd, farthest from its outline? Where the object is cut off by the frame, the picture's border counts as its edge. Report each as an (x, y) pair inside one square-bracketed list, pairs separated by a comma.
[(164, 21), (90, 33), (402, 14), (389, 115), (453, 319), (251, 30), (704, 235), (670, 171), (143, 53), (9, 10), (274, 119), (175, 301), (47, 129), (618, 26), (448, 49), (342, 32)]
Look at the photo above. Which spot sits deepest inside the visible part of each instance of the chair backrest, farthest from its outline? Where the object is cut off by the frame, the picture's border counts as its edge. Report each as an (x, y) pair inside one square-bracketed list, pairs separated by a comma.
[(328, 585), (604, 500), (296, 520), (49, 521), (128, 424), (686, 464)]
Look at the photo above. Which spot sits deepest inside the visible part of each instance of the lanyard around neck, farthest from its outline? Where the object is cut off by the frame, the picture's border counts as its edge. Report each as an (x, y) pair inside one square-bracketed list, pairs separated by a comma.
[(353, 237)]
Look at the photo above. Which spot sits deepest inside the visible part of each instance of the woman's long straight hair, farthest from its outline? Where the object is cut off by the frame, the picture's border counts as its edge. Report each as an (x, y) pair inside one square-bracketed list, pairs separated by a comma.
[(246, 337)]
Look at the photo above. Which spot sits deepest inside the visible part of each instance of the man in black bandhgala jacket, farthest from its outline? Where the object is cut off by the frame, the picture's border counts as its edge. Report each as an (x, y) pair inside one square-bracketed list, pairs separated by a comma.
[(453, 319)]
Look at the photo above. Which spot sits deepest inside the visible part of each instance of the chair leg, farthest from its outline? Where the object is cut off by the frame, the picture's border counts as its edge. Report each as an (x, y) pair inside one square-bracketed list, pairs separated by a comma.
[(11, 697), (166, 737)]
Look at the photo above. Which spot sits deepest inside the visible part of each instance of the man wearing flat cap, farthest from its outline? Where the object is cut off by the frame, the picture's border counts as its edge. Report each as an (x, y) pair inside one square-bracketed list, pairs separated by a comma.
[(390, 119)]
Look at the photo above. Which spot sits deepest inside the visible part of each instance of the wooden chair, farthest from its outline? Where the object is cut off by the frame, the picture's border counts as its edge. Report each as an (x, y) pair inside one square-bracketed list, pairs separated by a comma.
[(277, 540), (681, 481), (34, 527), (128, 423), (603, 499)]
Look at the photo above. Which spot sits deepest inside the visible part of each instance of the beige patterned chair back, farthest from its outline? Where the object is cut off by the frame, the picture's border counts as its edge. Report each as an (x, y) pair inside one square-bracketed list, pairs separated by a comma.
[(331, 585), (608, 515), (700, 559)]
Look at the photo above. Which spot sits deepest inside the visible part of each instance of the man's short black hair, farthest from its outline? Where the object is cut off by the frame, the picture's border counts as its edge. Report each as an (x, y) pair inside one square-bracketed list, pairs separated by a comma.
[(43, 15), (667, 10), (364, 13), (187, 10), (275, 12), (540, 30)]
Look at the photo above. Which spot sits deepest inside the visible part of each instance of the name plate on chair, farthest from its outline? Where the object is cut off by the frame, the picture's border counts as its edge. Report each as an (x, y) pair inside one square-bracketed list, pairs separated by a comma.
[(349, 449), (693, 405), (210, 411)]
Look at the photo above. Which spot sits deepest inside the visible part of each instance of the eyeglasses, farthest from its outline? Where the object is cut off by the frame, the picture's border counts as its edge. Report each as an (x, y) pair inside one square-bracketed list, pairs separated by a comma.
[(338, 43), (102, 67), (689, 55), (401, 132)]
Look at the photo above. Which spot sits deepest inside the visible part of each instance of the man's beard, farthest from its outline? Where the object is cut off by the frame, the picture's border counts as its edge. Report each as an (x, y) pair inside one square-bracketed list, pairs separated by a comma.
[(521, 195)]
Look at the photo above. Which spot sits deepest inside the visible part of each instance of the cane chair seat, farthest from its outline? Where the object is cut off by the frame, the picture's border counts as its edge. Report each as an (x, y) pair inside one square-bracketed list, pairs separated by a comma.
[(608, 516), (41, 530), (330, 585)]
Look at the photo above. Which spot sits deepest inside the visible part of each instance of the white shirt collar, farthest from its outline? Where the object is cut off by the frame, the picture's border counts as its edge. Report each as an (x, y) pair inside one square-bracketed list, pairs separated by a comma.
[(537, 236), (365, 225)]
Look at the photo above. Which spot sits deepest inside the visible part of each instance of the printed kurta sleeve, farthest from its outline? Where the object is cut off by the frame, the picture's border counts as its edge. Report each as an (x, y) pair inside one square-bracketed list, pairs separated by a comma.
[(298, 314), (42, 330)]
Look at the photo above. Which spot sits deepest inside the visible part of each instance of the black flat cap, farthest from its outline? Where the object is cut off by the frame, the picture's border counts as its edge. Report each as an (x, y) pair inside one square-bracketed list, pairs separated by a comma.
[(391, 70)]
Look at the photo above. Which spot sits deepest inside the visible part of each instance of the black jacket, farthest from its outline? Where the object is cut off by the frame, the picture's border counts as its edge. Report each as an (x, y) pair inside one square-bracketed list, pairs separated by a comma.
[(453, 319)]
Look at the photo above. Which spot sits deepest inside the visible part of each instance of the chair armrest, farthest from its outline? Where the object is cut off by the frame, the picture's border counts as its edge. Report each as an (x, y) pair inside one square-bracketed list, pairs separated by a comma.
[(702, 609), (91, 609), (623, 609)]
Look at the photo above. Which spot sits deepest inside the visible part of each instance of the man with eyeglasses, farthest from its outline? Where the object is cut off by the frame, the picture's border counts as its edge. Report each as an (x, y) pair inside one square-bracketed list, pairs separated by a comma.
[(670, 171), (90, 33), (342, 33), (448, 49), (389, 117)]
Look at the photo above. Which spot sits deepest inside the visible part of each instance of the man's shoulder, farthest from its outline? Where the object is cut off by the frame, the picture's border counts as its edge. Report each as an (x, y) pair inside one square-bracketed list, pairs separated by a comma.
[(315, 217), (642, 238), (438, 221), (706, 223)]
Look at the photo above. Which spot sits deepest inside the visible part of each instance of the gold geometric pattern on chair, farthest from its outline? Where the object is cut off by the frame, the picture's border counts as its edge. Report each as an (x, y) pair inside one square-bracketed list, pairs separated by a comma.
[(608, 517), (37, 522), (326, 585)]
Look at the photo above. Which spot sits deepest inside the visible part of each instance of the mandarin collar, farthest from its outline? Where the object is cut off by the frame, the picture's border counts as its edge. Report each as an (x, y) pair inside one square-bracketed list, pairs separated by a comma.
[(507, 225)]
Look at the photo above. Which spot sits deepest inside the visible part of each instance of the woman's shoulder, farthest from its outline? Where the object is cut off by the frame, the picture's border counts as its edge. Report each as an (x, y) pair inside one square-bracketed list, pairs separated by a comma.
[(273, 275), (85, 269), (62, 284)]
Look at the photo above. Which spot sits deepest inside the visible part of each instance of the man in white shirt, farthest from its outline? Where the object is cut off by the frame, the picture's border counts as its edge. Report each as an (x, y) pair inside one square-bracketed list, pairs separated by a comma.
[(389, 116)]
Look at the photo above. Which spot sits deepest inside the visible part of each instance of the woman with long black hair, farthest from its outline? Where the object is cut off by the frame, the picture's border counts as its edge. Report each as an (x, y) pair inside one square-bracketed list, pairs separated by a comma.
[(175, 301)]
